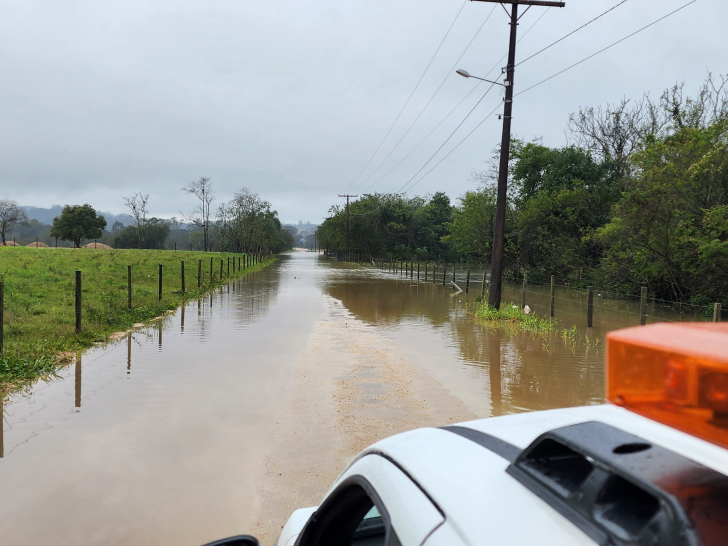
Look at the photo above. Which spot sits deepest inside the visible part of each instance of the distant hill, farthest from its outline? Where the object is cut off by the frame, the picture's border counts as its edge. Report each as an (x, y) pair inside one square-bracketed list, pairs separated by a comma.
[(305, 226), (46, 216)]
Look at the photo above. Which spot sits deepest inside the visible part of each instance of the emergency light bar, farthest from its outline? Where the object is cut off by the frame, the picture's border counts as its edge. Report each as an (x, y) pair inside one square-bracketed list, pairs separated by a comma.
[(675, 374)]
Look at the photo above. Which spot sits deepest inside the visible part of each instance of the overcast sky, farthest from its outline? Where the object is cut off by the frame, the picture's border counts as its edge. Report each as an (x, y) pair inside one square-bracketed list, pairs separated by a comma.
[(291, 98)]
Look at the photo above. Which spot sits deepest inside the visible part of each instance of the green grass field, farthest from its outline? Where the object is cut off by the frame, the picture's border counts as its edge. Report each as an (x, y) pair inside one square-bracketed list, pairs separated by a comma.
[(39, 310)]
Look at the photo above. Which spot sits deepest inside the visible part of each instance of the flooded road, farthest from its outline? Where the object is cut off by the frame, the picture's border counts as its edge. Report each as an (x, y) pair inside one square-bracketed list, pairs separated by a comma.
[(225, 416)]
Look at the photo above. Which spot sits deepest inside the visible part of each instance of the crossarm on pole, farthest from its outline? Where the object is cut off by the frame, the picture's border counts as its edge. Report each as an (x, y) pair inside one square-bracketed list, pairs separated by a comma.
[(526, 3)]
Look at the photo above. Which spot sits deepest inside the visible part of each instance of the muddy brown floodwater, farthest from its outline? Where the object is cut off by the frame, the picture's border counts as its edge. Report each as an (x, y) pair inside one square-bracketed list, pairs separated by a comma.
[(227, 415)]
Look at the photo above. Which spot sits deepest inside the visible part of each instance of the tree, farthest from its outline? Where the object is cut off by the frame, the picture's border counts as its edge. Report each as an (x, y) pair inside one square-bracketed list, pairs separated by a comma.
[(11, 215), (670, 231), (431, 225), (156, 232), (471, 229), (619, 130), (562, 196), (137, 204), (200, 216), (76, 223)]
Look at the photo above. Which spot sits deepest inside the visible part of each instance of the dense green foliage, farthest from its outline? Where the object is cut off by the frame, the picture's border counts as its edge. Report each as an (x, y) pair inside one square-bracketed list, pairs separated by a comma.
[(39, 299), (76, 223), (391, 225), (641, 201), (670, 231), (156, 231), (247, 224)]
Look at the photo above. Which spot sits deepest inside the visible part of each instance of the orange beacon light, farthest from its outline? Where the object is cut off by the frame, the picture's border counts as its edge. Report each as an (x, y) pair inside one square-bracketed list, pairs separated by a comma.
[(676, 374)]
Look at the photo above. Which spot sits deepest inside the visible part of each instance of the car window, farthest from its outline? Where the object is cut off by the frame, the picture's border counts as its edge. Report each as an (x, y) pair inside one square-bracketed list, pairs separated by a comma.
[(371, 531), (352, 516), (374, 503)]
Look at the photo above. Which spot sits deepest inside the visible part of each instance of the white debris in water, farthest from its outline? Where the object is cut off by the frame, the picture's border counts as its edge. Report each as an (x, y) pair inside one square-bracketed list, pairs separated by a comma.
[(527, 310)]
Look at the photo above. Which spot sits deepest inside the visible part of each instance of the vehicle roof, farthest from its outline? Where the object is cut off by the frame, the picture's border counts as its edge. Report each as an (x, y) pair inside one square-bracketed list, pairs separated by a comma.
[(469, 484)]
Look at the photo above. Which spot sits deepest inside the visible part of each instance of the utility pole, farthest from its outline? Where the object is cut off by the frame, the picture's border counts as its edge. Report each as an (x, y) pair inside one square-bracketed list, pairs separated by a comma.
[(347, 223), (204, 225), (496, 264)]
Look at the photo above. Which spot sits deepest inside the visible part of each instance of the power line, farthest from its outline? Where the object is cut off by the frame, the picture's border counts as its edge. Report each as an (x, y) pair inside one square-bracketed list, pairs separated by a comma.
[(608, 47), (413, 92), (451, 111), (448, 138), (428, 135), (570, 33), (449, 72), (454, 148), (535, 85)]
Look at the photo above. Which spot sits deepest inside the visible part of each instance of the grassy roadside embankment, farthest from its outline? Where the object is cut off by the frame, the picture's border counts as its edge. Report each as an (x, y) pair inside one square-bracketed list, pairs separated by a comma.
[(40, 320)]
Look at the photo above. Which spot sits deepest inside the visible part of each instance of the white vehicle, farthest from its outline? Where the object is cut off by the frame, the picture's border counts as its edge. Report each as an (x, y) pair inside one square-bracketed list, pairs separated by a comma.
[(591, 475)]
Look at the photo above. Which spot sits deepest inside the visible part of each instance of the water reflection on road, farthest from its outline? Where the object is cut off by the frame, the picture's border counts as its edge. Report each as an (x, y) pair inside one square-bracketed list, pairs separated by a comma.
[(160, 437), (497, 372)]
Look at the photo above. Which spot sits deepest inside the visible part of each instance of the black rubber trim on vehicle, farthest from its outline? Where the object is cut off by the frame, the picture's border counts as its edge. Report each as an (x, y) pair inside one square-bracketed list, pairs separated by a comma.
[(348, 493), (410, 476), (501, 448)]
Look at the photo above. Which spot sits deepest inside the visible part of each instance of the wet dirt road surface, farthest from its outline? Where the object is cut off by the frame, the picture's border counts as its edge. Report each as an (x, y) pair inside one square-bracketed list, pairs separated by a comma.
[(227, 415)]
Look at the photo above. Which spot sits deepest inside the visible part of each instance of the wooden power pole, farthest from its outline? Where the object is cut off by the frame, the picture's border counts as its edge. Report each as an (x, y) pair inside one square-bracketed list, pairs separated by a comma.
[(496, 264), (347, 223)]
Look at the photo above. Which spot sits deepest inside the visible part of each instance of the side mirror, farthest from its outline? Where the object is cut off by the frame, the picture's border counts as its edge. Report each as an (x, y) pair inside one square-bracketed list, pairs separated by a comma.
[(240, 540)]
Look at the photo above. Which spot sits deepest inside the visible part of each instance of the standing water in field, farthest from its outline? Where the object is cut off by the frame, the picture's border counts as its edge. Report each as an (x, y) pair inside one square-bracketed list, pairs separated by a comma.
[(242, 405)]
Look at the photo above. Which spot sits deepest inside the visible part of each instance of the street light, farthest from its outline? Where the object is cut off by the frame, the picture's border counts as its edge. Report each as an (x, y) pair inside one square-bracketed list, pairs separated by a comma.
[(466, 74), (499, 227)]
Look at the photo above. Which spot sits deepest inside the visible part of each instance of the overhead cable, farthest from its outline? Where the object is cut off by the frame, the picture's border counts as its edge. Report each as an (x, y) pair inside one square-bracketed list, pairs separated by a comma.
[(571, 33), (453, 110), (537, 84), (448, 138), (608, 47), (412, 93), (449, 72)]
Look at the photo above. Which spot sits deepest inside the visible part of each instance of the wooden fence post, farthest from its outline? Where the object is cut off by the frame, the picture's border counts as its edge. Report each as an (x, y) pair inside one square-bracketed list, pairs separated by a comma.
[(199, 273), (716, 312), (523, 296), (643, 305), (128, 286), (467, 283), (552, 297), (211, 278), (412, 271), (78, 301), (221, 262), (2, 326), (482, 286), (453, 273), (182, 271), (160, 282), (589, 306), (228, 267), (418, 271), (425, 271)]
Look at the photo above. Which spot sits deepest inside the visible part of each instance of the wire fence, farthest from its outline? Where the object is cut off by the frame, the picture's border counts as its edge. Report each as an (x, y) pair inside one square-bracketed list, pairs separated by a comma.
[(45, 296), (608, 309)]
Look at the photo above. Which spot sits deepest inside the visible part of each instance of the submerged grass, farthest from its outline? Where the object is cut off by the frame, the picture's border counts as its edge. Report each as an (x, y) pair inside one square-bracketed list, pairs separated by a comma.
[(511, 313), (513, 319), (40, 299)]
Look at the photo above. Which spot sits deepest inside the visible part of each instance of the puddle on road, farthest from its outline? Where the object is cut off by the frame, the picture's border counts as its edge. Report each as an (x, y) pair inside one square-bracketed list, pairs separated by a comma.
[(160, 437)]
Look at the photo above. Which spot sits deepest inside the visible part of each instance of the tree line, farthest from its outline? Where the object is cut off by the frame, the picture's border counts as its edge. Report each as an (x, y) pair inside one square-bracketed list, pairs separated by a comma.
[(638, 198), (246, 223)]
